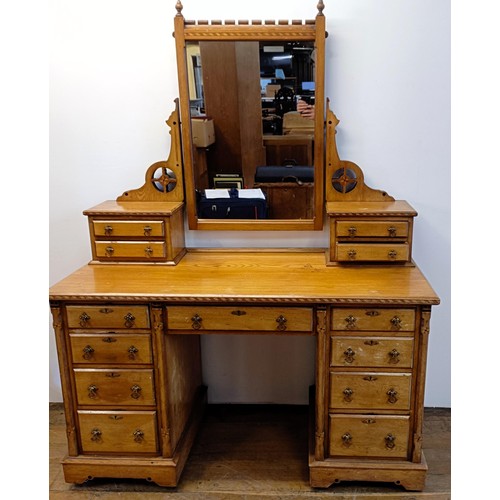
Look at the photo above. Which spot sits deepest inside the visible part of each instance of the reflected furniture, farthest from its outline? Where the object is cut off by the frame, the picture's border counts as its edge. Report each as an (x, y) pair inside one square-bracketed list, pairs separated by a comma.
[(128, 324)]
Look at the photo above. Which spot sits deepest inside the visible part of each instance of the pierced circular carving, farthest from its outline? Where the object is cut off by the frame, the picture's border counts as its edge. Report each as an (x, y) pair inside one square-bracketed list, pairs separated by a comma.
[(344, 180), (164, 180)]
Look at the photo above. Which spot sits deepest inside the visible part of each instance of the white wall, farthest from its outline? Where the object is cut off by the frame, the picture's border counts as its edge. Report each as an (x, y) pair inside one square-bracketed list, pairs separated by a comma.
[(112, 86)]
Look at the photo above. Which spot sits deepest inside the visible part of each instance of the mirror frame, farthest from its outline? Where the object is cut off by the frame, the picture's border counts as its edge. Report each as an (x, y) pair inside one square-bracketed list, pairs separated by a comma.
[(254, 30)]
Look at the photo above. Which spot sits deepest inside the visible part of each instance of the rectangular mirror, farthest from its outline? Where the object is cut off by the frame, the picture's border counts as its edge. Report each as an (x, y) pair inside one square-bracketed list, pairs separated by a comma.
[(252, 116)]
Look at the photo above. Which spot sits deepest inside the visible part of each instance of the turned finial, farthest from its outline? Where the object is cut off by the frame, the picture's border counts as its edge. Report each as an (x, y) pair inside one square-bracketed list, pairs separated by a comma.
[(320, 6), (178, 7)]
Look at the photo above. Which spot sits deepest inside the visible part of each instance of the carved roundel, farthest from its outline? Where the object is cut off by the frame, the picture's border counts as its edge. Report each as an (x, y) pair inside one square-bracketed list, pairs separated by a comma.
[(344, 180), (164, 180)]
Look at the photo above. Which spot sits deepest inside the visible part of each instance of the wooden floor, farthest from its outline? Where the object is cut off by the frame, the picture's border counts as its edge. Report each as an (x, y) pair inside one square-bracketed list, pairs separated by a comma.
[(252, 452)]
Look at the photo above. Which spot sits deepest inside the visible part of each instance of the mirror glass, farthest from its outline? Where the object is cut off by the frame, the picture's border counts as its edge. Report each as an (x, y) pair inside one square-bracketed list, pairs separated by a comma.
[(252, 128)]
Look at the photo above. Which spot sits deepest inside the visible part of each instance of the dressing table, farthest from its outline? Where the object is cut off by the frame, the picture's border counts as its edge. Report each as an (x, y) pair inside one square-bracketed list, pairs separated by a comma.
[(128, 324)]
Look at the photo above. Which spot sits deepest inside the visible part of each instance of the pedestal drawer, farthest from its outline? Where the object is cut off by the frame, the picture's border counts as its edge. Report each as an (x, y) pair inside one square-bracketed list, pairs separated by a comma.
[(143, 228), (374, 390), (373, 252), (373, 319), (111, 348), (375, 352), (107, 316), (369, 436), (118, 431), (279, 319), (114, 387)]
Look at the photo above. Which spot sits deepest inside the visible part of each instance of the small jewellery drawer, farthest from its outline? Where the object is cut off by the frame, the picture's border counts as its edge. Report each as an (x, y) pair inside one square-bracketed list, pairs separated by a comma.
[(118, 431), (392, 320), (111, 348), (279, 319), (133, 229), (370, 391), (114, 387), (369, 436), (371, 352), (372, 229), (366, 252), (130, 249), (110, 316)]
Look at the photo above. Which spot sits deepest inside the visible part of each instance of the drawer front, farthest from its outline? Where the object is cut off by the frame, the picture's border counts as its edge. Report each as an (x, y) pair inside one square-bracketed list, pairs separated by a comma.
[(130, 249), (369, 436), (279, 319), (373, 319), (369, 252), (372, 229), (133, 229), (376, 352), (114, 387), (388, 391), (111, 348), (110, 316), (118, 431)]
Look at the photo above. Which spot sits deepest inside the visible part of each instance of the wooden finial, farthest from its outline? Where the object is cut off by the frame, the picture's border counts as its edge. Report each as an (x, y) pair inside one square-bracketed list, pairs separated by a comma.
[(178, 7), (320, 6)]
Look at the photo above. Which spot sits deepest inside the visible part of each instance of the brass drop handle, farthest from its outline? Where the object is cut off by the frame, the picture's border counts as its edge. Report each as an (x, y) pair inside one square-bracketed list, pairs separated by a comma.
[(84, 319), (196, 319), (392, 231), (394, 356), (392, 254), (351, 322), (136, 391), (129, 320), (392, 396), (351, 254), (352, 231), (347, 439), (138, 436), (95, 434), (88, 352), (147, 230), (348, 392), (349, 355), (109, 251), (396, 323), (132, 351), (148, 251), (108, 230), (281, 320), (92, 391), (390, 441)]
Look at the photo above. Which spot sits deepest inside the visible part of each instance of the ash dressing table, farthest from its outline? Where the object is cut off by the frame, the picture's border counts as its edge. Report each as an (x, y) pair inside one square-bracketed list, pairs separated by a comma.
[(128, 324)]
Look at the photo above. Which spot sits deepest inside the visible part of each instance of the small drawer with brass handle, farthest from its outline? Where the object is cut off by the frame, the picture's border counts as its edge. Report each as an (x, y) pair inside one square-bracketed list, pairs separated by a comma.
[(356, 229), (388, 352), (118, 431), (373, 319), (372, 252), (128, 229), (145, 250), (114, 387), (364, 391), (374, 436), (107, 316), (252, 318), (111, 348)]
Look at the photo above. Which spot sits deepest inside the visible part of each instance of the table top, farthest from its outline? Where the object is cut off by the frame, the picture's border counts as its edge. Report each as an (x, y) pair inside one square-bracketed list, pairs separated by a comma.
[(260, 276)]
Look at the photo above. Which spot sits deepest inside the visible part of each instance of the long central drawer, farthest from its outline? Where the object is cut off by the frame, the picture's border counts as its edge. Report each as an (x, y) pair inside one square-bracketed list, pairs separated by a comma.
[(236, 318)]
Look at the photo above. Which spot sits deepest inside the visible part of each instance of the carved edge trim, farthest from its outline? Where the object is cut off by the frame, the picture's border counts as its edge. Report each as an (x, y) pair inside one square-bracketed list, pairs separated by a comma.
[(374, 214), (256, 300)]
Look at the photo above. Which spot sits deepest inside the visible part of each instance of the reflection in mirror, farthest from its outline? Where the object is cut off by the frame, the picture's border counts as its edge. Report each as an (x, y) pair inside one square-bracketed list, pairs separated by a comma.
[(252, 126)]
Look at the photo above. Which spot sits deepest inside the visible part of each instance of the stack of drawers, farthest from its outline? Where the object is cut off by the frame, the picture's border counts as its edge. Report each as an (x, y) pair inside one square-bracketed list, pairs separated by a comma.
[(366, 232), (141, 232), (112, 379), (370, 383)]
